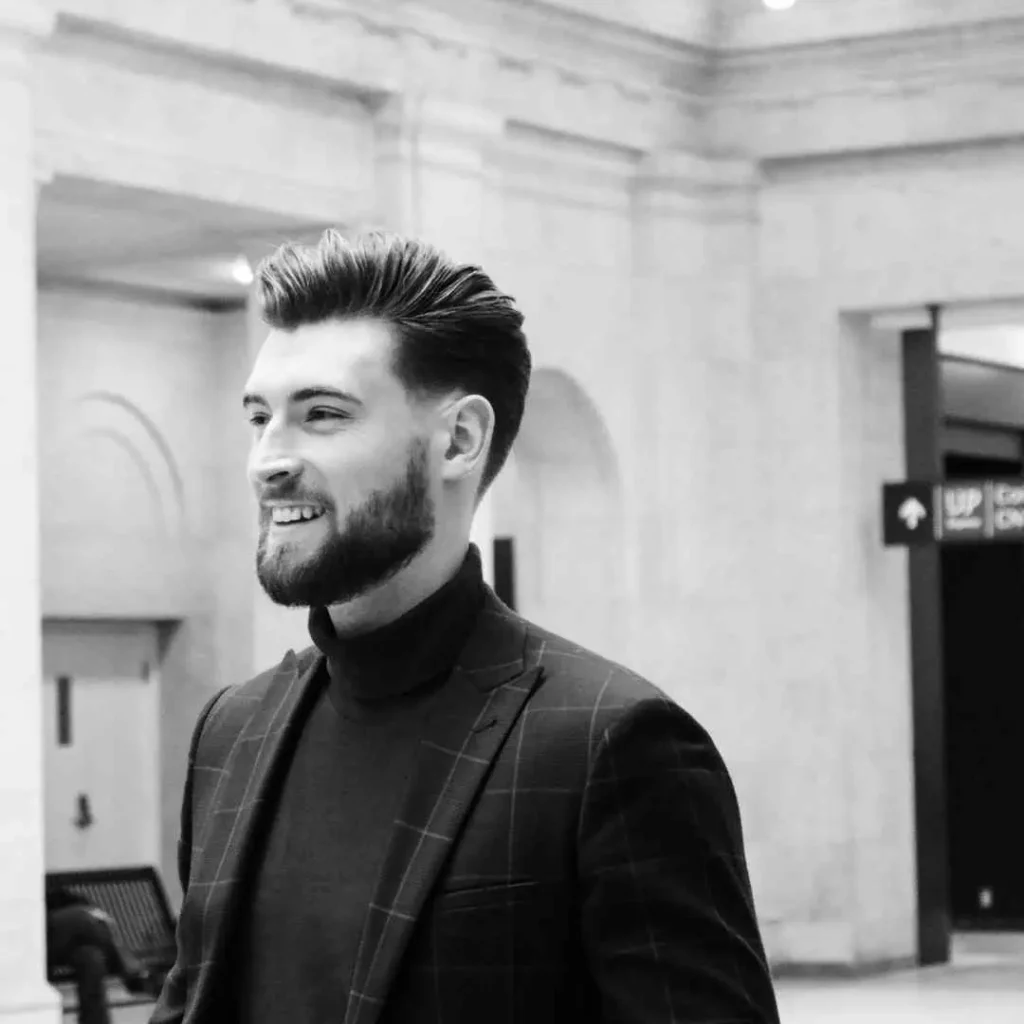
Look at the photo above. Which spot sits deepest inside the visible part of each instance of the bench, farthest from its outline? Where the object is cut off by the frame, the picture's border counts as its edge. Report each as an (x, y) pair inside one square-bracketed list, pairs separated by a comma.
[(135, 899)]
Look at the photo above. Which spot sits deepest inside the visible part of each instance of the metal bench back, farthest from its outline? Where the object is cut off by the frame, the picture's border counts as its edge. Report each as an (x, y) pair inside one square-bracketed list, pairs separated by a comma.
[(134, 897)]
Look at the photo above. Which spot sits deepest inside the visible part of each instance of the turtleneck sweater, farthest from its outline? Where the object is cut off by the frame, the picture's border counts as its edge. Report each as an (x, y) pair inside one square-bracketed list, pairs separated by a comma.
[(327, 833)]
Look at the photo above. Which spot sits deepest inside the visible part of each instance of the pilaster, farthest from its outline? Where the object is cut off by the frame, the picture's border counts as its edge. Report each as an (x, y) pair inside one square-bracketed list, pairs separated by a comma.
[(693, 266), (694, 486), (24, 994), (433, 162)]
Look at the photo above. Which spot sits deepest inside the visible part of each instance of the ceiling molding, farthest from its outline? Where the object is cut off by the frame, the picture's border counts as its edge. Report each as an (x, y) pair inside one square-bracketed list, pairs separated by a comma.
[(880, 63), (193, 245), (528, 61), (578, 74), (944, 87), (198, 297), (746, 24)]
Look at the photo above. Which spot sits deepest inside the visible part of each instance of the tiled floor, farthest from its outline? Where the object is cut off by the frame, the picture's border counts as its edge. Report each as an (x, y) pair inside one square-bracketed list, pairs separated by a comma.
[(983, 985)]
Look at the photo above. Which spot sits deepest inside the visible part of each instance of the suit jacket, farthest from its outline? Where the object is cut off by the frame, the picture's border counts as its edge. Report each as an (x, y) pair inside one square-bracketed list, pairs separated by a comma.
[(569, 849)]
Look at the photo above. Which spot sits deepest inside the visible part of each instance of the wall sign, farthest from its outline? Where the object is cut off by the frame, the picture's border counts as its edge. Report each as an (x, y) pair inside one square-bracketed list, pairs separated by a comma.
[(979, 512)]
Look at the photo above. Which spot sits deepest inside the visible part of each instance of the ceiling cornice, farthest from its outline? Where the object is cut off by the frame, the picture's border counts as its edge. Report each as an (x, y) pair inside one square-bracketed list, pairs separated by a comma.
[(747, 25), (953, 85), (573, 44), (567, 72), (960, 51)]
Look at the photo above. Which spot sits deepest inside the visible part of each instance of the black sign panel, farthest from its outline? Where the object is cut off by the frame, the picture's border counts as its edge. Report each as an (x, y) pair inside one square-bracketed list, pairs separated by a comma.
[(909, 514), (959, 512)]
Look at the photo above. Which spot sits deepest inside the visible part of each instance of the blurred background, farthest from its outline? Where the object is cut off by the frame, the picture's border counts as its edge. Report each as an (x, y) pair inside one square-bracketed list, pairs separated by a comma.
[(771, 257)]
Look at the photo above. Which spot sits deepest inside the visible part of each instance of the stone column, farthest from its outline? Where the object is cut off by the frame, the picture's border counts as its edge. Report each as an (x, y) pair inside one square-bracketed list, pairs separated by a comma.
[(432, 165), (693, 234), (24, 995), (699, 471)]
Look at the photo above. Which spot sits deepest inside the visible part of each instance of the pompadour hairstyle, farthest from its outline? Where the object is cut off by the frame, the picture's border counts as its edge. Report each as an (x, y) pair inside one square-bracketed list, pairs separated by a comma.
[(455, 330)]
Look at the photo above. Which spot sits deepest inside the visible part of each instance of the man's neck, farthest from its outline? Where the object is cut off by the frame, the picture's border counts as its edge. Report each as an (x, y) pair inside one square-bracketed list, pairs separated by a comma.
[(430, 570)]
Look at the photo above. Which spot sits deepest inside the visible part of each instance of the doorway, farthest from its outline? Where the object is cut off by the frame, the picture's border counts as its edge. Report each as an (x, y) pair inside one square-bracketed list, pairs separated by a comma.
[(983, 631), (101, 744)]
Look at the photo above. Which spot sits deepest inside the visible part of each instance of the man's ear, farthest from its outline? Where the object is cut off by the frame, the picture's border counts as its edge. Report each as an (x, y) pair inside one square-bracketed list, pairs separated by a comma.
[(470, 427)]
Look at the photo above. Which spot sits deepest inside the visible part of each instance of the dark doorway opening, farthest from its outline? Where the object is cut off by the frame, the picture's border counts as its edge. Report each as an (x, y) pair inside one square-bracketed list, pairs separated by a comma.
[(505, 570), (983, 643)]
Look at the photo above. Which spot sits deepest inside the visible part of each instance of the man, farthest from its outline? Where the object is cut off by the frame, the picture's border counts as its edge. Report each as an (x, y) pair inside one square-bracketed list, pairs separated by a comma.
[(81, 936), (438, 812)]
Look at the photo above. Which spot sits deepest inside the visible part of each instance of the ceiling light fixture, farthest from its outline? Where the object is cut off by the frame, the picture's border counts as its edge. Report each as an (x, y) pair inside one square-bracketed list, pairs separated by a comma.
[(779, 5), (241, 271)]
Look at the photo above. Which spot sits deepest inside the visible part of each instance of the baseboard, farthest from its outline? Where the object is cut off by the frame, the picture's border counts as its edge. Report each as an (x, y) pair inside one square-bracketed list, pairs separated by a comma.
[(844, 971)]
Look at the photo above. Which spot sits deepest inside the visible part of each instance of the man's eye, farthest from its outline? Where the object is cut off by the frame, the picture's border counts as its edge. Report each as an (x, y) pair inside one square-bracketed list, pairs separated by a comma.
[(327, 414), (258, 419)]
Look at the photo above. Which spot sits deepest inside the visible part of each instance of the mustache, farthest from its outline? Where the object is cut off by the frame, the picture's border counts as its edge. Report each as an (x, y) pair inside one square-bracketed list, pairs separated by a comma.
[(292, 493)]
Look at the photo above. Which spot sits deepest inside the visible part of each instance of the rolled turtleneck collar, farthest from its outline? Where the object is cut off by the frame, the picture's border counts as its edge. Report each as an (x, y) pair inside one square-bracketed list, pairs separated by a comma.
[(418, 648)]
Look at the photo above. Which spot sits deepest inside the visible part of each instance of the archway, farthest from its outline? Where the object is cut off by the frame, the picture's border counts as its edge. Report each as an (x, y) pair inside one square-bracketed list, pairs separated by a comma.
[(559, 498)]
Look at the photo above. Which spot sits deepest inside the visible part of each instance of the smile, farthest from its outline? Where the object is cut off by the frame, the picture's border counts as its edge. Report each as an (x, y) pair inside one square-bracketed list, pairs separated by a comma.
[(287, 515)]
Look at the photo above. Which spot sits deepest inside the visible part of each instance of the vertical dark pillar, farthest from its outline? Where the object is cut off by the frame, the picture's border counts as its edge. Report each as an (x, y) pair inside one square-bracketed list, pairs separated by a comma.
[(505, 570), (923, 412)]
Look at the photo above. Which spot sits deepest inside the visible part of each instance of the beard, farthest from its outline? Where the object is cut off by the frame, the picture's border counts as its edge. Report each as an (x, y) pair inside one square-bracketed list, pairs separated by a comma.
[(379, 538)]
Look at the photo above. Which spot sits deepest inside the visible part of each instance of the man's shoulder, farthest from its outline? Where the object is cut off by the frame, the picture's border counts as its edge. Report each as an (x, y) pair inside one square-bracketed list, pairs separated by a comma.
[(585, 698), (568, 669)]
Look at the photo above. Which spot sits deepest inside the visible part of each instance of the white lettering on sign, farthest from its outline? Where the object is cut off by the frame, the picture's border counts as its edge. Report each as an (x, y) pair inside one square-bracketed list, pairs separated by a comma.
[(1009, 494), (963, 502), (955, 525), (1010, 519)]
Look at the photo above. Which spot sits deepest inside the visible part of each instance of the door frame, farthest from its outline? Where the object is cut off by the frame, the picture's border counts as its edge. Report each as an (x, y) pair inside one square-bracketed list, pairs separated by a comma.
[(923, 412)]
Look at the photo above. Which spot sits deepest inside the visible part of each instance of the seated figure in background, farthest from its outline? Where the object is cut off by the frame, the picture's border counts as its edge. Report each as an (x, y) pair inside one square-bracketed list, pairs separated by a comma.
[(82, 936)]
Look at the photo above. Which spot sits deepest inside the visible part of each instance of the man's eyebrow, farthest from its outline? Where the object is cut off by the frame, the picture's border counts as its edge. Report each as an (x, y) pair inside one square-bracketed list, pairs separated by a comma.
[(304, 395)]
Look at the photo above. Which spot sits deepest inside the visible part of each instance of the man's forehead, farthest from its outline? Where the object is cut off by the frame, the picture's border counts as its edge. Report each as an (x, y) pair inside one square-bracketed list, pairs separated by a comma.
[(353, 356)]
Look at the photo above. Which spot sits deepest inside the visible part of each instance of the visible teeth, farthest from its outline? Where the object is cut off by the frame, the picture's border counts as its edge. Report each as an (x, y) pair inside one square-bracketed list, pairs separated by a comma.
[(295, 513)]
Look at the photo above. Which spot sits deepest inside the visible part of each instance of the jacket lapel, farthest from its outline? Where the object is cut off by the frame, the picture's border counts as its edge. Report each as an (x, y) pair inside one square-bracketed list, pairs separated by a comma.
[(477, 709), (250, 769)]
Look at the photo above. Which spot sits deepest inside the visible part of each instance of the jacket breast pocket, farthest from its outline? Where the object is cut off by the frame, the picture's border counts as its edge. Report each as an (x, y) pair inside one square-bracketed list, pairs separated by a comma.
[(497, 926), (489, 894)]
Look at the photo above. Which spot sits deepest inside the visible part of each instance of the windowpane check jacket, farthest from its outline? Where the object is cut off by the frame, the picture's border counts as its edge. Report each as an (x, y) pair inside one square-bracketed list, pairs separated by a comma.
[(569, 849)]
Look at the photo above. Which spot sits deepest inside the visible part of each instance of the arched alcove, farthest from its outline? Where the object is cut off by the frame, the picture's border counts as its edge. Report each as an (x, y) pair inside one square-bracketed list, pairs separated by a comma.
[(559, 497), (112, 472)]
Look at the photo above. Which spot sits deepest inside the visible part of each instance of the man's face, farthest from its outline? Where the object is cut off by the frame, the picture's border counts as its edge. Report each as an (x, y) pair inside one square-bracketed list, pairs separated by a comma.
[(340, 463)]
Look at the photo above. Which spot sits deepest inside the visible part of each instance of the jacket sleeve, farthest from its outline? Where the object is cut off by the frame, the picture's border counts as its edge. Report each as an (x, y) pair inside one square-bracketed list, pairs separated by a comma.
[(170, 1008), (668, 918)]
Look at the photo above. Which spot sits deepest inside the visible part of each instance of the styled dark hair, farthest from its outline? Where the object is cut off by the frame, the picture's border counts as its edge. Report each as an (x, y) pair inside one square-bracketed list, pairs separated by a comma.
[(455, 331)]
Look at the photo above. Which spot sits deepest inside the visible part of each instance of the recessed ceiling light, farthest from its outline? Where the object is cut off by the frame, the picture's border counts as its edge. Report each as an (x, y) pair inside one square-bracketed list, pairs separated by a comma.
[(779, 5), (241, 271)]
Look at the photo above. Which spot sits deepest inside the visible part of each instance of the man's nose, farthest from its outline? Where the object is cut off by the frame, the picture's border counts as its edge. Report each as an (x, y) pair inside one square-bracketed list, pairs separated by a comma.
[(274, 468)]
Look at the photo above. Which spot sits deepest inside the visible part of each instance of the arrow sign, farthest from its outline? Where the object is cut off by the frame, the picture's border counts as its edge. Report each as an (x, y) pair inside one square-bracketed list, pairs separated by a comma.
[(908, 513), (912, 512)]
